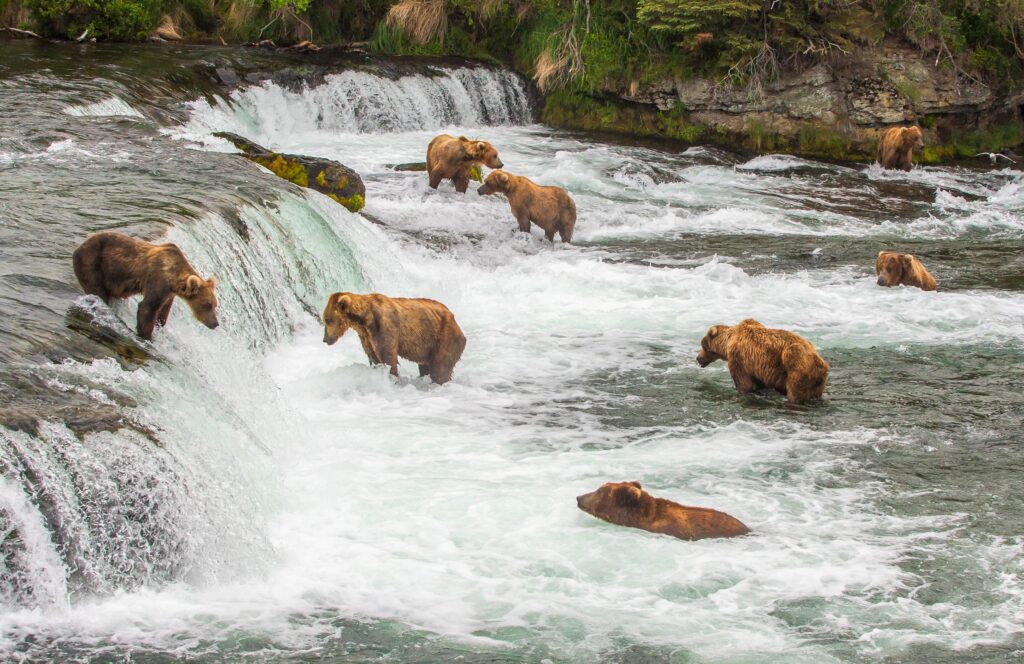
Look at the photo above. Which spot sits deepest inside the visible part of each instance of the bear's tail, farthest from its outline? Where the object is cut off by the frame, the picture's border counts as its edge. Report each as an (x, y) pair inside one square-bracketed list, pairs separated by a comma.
[(806, 372)]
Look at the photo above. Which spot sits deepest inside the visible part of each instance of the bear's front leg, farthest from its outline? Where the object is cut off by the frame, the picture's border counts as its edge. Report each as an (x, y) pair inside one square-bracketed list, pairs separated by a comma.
[(461, 183), (387, 351), (435, 180), (146, 316), (740, 377), (165, 312), (523, 219)]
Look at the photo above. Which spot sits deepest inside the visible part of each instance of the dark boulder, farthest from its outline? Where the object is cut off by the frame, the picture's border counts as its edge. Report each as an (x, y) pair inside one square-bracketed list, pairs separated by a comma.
[(327, 176)]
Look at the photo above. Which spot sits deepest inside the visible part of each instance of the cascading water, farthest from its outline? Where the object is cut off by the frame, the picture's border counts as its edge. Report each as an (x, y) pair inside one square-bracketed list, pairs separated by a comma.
[(257, 494)]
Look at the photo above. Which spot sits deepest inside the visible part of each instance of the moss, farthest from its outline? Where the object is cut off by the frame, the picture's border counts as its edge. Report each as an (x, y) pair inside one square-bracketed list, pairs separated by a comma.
[(290, 170), (476, 173), (354, 203), (829, 143)]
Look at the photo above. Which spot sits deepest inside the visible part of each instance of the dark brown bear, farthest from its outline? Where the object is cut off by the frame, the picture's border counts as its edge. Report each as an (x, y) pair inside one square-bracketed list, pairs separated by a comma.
[(551, 208), (113, 265), (423, 331), (759, 357), (451, 158), (894, 269), (896, 149), (627, 504)]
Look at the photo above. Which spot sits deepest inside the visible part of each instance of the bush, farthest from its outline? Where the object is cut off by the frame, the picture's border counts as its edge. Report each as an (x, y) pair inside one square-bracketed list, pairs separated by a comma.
[(105, 19)]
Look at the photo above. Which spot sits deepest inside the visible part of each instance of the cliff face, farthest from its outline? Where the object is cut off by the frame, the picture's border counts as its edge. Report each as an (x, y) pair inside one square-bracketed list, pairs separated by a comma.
[(835, 109)]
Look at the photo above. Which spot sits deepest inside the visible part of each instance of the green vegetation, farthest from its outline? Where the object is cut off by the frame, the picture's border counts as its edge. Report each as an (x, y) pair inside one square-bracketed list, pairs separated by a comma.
[(578, 51)]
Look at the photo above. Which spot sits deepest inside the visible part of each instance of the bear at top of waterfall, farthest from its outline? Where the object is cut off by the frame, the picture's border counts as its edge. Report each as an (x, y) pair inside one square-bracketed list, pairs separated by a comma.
[(894, 269), (551, 208), (897, 145), (420, 330), (451, 158), (114, 265), (627, 504), (759, 357)]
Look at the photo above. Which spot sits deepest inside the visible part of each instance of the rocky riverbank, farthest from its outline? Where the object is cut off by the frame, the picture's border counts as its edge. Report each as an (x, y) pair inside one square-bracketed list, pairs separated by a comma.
[(832, 110)]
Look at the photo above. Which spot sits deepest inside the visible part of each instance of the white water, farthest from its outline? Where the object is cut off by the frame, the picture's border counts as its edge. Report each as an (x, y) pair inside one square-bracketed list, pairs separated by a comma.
[(330, 490)]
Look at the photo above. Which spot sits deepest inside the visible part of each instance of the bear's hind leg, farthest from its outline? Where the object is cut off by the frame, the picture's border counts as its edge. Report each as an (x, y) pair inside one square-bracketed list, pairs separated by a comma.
[(424, 370)]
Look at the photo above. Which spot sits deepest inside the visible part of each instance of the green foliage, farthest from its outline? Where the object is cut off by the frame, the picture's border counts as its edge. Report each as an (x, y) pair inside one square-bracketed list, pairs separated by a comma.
[(105, 19)]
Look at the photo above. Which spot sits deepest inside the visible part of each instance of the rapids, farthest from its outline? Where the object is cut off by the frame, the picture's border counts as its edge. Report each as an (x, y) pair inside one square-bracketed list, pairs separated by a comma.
[(252, 494)]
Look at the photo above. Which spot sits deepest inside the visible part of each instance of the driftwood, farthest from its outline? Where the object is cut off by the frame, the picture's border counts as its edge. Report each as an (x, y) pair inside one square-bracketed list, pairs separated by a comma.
[(21, 33)]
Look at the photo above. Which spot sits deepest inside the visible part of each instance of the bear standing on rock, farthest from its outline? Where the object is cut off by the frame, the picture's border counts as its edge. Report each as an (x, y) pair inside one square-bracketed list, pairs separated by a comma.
[(896, 149), (627, 504), (894, 269), (451, 158), (114, 265), (420, 330), (759, 357), (551, 208)]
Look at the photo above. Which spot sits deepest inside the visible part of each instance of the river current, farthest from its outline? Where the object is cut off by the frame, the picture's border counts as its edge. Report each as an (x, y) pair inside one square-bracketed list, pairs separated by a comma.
[(250, 494)]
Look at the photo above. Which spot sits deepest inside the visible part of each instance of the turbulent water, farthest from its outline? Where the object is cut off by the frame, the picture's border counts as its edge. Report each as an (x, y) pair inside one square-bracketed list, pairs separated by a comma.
[(252, 494)]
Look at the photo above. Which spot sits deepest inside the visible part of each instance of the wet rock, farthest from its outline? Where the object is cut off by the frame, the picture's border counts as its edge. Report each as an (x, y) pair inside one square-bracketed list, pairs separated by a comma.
[(89, 316), (327, 176), (227, 76)]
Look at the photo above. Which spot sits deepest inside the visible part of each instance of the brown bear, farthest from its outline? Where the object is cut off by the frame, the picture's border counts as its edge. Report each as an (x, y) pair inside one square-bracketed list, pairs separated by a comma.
[(894, 268), (420, 330), (114, 265), (551, 208), (896, 149), (759, 357), (450, 158), (627, 504)]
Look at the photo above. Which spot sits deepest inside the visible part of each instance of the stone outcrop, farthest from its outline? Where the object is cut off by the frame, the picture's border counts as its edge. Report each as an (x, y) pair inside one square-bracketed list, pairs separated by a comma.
[(327, 176), (841, 105)]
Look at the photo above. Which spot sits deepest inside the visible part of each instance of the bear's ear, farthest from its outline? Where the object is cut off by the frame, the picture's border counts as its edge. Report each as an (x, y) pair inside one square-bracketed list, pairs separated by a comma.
[(637, 485), (627, 496), (343, 302), (712, 332), (908, 260), (191, 286), (481, 147), (212, 281)]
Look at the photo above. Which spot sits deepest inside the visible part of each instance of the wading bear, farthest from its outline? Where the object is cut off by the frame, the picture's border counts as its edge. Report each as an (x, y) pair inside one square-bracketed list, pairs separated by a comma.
[(896, 149), (420, 330), (894, 269), (762, 358), (627, 504), (551, 208), (451, 158), (114, 265)]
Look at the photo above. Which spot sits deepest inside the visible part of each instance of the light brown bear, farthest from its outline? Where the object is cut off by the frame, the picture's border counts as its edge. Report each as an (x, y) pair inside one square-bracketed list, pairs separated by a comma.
[(627, 504), (451, 158), (114, 265), (420, 330), (896, 149), (894, 268), (551, 208), (759, 357)]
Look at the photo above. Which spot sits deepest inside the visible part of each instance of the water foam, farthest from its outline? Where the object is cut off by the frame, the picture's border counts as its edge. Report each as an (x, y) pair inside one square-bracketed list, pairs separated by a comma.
[(112, 106)]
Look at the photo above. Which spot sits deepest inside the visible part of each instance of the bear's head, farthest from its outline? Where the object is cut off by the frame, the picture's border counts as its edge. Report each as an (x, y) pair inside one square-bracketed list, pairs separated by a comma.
[(497, 181), (891, 267), (198, 292), (624, 503), (713, 345), (337, 317), (911, 138), (483, 152)]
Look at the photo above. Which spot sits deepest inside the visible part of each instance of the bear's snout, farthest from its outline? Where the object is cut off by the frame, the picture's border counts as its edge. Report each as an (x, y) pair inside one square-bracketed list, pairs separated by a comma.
[(329, 339), (499, 164), (585, 501), (881, 281), (212, 324)]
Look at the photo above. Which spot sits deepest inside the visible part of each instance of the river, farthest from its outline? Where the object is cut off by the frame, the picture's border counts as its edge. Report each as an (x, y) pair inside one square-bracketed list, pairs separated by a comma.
[(251, 494)]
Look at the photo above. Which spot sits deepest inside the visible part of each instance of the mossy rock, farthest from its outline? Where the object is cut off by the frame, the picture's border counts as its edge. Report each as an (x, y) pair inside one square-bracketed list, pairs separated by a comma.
[(334, 180)]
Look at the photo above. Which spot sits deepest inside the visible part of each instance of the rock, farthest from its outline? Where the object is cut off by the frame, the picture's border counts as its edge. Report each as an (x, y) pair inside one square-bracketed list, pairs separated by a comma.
[(475, 172), (89, 316), (227, 76), (329, 177)]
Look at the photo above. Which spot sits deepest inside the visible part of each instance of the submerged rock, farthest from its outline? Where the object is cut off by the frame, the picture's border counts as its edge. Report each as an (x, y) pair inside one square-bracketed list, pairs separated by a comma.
[(475, 172), (89, 316), (327, 176)]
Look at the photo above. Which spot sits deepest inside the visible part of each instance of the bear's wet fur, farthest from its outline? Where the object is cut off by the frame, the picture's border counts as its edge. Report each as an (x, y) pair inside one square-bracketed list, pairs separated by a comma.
[(894, 269), (627, 504), (551, 208), (451, 158), (421, 330), (113, 265), (897, 145), (759, 357)]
